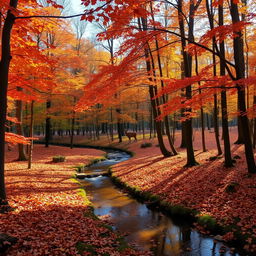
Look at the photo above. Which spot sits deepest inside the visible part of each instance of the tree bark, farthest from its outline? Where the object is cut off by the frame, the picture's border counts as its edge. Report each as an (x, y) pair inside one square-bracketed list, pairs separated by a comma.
[(111, 128), (119, 125), (154, 102), (201, 110), (238, 46), (183, 132), (240, 138), (224, 111), (31, 131), (210, 14), (151, 124), (73, 126), (164, 99), (187, 72), (48, 128), (21, 148), (4, 74)]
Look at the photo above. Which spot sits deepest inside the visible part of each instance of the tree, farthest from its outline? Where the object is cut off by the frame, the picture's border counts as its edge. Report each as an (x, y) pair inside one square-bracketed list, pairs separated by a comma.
[(238, 46), (10, 10), (4, 72), (187, 60)]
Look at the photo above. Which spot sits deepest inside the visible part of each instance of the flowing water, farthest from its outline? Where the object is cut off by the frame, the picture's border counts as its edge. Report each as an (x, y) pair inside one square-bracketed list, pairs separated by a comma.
[(147, 228)]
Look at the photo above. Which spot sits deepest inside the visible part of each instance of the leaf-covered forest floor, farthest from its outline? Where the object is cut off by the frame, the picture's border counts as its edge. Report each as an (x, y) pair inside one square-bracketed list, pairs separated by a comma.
[(51, 214), (227, 194)]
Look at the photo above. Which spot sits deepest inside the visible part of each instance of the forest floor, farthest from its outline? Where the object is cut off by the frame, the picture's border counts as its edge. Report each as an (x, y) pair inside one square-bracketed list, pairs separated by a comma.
[(226, 194), (51, 213)]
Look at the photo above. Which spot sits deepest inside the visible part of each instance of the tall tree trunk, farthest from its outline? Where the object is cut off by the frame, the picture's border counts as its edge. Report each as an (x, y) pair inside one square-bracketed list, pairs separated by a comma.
[(224, 111), (21, 148), (143, 127), (216, 124), (73, 126), (97, 128), (183, 132), (48, 128), (174, 127), (158, 125), (151, 124), (72, 130), (201, 109), (210, 14), (4, 73), (238, 46), (119, 125), (154, 102), (164, 98), (240, 138), (187, 71), (31, 131), (137, 117), (215, 111), (111, 128)]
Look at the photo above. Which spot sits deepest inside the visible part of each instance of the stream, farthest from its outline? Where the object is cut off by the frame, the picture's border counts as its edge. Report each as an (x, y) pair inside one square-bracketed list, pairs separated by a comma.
[(145, 228)]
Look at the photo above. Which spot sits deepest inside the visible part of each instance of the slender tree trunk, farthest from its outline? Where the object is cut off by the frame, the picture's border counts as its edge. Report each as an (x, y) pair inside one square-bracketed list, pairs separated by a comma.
[(210, 14), (163, 149), (224, 111), (240, 139), (183, 132), (164, 98), (216, 124), (4, 73), (151, 125), (225, 131), (238, 45), (208, 122), (215, 111), (137, 117), (21, 148), (73, 126), (111, 130), (97, 129), (48, 127), (119, 125), (174, 127), (72, 130), (188, 71), (201, 110), (143, 127), (154, 102), (31, 131)]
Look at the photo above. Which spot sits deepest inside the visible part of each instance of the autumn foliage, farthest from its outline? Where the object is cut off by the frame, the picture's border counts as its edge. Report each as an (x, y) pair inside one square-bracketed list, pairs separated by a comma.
[(162, 66), (203, 188), (50, 216)]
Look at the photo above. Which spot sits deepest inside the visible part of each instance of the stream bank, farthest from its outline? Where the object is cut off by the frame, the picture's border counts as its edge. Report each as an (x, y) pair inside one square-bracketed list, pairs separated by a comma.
[(149, 172), (144, 224), (51, 216)]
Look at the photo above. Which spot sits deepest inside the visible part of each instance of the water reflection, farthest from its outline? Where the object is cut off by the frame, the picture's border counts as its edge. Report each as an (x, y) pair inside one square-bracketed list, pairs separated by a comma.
[(149, 229)]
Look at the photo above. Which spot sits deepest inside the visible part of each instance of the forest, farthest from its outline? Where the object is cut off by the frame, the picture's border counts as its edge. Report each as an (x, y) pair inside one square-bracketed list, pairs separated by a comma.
[(152, 99)]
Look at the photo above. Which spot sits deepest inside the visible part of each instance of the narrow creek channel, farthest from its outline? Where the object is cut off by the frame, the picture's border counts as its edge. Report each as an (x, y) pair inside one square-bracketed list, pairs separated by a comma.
[(147, 228)]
